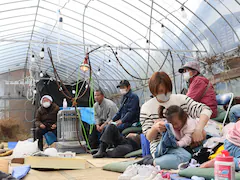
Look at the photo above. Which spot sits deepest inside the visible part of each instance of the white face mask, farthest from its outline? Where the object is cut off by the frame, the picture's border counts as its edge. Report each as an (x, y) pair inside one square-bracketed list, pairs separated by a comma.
[(46, 104), (164, 97), (186, 76), (123, 91)]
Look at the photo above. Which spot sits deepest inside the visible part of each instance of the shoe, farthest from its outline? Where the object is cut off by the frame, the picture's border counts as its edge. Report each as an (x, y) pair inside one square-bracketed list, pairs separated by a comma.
[(130, 172), (102, 151), (145, 171), (183, 165), (99, 154), (154, 173)]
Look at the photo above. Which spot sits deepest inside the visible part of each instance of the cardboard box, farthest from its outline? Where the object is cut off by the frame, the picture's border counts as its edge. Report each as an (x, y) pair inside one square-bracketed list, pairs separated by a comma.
[(4, 165), (56, 163)]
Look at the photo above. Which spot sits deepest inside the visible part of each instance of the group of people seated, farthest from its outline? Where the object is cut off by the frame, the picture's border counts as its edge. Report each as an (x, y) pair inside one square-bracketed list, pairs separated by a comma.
[(184, 117)]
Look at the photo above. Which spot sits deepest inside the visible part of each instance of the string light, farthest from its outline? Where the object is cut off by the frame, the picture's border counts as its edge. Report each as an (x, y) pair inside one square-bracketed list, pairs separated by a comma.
[(73, 91), (35, 91), (41, 54), (110, 62), (98, 72), (183, 13), (41, 74), (162, 30), (33, 58), (60, 89), (147, 44)]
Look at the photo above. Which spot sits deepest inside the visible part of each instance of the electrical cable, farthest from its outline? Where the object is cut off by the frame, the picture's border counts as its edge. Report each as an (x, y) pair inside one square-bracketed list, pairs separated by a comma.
[(129, 72)]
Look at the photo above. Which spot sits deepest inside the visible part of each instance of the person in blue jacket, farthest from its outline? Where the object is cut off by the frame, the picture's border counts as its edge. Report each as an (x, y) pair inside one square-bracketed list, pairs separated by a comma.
[(129, 110)]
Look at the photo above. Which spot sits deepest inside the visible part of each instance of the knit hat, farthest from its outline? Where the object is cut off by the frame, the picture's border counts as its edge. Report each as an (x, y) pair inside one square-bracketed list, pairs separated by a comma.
[(191, 65), (46, 96)]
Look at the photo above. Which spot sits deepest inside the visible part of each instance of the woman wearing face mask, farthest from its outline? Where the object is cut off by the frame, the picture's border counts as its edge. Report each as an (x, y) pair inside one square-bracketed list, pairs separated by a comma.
[(46, 119), (160, 86), (200, 88)]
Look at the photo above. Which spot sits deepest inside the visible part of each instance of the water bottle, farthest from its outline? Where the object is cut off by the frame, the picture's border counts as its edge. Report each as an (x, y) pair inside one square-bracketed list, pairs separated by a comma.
[(65, 103), (224, 167)]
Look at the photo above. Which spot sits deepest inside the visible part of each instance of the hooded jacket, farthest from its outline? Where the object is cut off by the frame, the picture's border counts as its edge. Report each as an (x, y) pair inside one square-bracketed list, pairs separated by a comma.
[(47, 116), (197, 86)]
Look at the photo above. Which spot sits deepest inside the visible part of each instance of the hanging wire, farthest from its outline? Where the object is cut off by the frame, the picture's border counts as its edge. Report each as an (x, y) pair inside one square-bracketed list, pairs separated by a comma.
[(173, 71)]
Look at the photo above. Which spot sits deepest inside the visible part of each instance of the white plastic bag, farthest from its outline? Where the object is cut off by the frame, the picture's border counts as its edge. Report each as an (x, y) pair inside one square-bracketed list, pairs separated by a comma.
[(25, 148)]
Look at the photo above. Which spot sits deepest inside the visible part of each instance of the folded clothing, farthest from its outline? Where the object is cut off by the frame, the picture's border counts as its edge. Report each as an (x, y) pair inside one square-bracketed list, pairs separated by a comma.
[(20, 171)]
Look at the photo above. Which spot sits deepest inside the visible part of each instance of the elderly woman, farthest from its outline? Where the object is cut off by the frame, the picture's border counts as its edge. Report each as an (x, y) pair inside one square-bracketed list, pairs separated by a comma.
[(200, 88), (160, 86), (46, 119)]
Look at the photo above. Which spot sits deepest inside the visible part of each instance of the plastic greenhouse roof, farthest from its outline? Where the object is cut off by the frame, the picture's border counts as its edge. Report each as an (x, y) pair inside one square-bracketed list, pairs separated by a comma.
[(204, 28)]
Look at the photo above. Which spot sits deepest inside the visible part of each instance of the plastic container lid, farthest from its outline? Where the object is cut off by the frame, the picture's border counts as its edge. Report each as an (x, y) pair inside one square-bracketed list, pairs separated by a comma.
[(224, 159)]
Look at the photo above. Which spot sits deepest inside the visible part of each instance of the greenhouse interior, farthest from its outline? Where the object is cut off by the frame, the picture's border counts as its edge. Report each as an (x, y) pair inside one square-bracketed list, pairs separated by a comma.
[(127, 90)]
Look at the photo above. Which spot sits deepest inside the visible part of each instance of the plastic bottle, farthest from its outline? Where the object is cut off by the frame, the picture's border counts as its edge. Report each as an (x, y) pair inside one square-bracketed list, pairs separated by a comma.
[(224, 167), (65, 103)]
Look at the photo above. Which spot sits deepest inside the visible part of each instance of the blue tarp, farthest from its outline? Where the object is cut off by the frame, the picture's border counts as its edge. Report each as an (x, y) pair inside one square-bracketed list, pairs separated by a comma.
[(87, 114)]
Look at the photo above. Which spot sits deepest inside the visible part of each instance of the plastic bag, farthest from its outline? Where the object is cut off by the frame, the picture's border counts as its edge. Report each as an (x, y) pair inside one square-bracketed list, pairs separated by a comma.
[(25, 148)]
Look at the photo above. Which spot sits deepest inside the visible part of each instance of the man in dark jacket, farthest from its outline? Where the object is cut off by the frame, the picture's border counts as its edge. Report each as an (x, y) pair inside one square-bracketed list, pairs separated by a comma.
[(129, 110), (46, 119)]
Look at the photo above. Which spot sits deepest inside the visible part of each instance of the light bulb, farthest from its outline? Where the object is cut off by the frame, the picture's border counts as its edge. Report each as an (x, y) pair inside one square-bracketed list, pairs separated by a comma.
[(60, 22), (33, 58), (147, 44), (162, 30), (109, 62), (98, 72), (41, 54), (41, 74), (60, 89), (86, 86), (183, 13), (34, 91), (73, 91)]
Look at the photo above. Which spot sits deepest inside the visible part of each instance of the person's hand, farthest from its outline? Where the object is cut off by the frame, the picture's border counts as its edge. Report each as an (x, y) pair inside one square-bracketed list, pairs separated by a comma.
[(53, 126), (98, 127), (119, 122), (42, 126), (102, 127), (159, 126), (131, 135), (197, 137)]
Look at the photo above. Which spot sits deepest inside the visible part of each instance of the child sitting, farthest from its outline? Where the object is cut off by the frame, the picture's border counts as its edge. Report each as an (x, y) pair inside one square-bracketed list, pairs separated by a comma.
[(232, 145), (183, 127), (182, 124)]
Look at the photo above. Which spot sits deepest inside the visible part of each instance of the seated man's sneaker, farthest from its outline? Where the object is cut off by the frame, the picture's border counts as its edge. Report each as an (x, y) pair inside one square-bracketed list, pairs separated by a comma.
[(144, 172), (130, 172)]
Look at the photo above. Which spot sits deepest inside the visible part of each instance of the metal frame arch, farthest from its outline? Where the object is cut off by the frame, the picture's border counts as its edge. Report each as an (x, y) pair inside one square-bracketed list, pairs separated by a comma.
[(223, 19), (102, 30), (178, 27), (202, 22), (132, 29)]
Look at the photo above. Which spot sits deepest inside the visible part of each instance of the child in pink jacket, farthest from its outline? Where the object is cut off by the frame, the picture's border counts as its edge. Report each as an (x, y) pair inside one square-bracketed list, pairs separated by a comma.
[(183, 125)]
